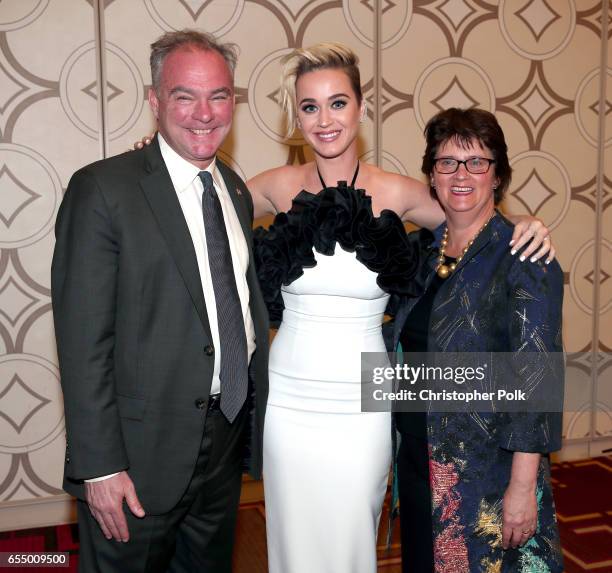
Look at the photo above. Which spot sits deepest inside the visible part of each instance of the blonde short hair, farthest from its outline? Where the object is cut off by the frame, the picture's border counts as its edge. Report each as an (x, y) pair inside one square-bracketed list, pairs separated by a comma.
[(326, 55)]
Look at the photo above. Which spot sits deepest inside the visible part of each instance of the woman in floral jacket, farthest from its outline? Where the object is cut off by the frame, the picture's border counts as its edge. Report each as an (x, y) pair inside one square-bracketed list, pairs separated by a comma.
[(485, 476)]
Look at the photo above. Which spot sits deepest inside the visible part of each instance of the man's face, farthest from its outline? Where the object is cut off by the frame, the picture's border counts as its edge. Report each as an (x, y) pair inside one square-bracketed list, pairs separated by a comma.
[(194, 103)]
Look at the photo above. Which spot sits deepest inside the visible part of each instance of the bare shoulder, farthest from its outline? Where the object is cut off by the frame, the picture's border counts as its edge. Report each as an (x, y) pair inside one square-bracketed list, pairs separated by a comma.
[(279, 185), (273, 181), (400, 193)]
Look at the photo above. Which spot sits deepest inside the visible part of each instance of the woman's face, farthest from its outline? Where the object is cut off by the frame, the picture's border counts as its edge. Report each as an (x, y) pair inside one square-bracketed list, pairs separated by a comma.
[(462, 191), (328, 111)]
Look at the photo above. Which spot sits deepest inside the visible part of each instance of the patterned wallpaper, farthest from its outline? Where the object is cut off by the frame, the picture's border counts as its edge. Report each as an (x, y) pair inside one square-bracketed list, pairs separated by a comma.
[(73, 83)]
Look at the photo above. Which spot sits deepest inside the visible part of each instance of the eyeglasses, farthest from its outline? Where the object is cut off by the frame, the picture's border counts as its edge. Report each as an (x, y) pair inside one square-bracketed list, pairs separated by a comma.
[(475, 165)]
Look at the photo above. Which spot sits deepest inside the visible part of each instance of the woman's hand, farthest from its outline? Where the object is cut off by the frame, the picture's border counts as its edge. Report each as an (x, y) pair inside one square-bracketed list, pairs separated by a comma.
[(146, 140), (520, 516), (520, 507), (533, 231)]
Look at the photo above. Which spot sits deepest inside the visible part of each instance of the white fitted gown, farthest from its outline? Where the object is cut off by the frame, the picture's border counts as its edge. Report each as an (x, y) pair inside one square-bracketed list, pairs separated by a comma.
[(326, 463)]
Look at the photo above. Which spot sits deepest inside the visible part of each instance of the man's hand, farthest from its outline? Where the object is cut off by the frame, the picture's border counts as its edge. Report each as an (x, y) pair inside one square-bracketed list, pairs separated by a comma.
[(105, 500)]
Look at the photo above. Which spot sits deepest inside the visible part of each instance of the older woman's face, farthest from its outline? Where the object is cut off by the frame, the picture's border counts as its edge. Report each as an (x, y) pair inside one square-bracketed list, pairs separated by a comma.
[(462, 191)]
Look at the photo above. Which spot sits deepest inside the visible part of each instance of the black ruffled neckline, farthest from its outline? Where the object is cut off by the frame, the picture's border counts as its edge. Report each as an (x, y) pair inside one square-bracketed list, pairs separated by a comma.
[(336, 215)]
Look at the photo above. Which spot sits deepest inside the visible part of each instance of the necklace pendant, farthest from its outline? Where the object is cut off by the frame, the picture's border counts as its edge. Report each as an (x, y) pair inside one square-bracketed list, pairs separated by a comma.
[(443, 271)]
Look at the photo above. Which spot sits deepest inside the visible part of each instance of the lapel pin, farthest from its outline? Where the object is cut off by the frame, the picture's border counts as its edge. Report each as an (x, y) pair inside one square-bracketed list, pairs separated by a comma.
[(238, 191)]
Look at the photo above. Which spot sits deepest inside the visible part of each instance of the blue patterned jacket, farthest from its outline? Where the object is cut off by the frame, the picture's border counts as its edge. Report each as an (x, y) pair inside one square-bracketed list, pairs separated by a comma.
[(493, 302)]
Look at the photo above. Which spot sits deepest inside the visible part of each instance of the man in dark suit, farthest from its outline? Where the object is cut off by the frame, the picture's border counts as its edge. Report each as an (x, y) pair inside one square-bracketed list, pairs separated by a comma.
[(157, 316)]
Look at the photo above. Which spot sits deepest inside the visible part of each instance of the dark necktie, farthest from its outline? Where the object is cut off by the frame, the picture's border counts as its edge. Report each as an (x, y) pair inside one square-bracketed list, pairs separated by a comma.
[(232, 337)]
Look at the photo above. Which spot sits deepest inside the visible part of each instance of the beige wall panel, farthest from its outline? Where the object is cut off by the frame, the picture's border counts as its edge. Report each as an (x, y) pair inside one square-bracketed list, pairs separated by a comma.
[(605, 280), (403, 144), (528, 62), (566, 73), (39, 336), (605, 316), (575, 237), (538, 30), (578, 396), (564, 140), (33, 419), (44, 42), (603, 398), (53, 56), (6, 467), (49, 124), (405, 60), (603, 409), (603, 417), (506, 67), (256, 142), (129, 28), (604, 394), (395, 17), (34, 260), (60, 135), (49, 459), (22, 303)]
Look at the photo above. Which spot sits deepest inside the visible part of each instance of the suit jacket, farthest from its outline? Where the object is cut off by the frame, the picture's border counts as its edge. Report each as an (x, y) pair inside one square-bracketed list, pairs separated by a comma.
[(133, 338)]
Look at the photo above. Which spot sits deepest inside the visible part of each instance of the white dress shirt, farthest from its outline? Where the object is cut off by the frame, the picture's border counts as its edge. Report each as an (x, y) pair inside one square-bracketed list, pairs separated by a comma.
[(189, 188)]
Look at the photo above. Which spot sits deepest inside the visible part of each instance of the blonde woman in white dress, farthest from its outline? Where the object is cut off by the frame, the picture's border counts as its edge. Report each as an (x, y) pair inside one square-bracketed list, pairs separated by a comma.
[(329, 259)]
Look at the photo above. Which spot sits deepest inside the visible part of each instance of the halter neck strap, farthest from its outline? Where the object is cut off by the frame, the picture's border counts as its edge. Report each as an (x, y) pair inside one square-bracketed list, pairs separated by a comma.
[(352, 181)]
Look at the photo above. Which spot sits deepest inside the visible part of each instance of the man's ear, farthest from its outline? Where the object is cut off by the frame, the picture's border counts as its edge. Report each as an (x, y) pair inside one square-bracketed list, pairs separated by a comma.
[(154, 102)]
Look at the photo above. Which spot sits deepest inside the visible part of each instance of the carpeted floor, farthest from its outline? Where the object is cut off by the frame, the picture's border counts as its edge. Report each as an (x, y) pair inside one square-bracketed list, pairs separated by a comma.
[(583, 494)]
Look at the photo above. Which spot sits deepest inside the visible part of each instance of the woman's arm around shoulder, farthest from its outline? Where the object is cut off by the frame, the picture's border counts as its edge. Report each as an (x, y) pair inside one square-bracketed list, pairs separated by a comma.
[(538, 289), (411, 200), (535, 296), (534, 309)]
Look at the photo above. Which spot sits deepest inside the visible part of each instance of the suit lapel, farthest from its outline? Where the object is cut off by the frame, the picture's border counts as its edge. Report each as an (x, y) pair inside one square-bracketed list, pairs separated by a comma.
[(159, 192)]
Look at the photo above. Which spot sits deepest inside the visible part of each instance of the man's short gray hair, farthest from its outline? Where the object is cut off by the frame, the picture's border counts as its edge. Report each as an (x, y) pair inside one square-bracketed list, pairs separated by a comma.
[(188, 38)]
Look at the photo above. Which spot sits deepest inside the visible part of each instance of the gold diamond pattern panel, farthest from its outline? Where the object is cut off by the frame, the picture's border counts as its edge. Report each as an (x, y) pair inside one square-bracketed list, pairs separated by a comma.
[(48, 128), (535, 63), (603, 417)]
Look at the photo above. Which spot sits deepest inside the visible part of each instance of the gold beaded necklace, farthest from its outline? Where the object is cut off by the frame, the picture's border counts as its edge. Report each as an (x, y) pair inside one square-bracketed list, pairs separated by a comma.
[(445, 270)]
